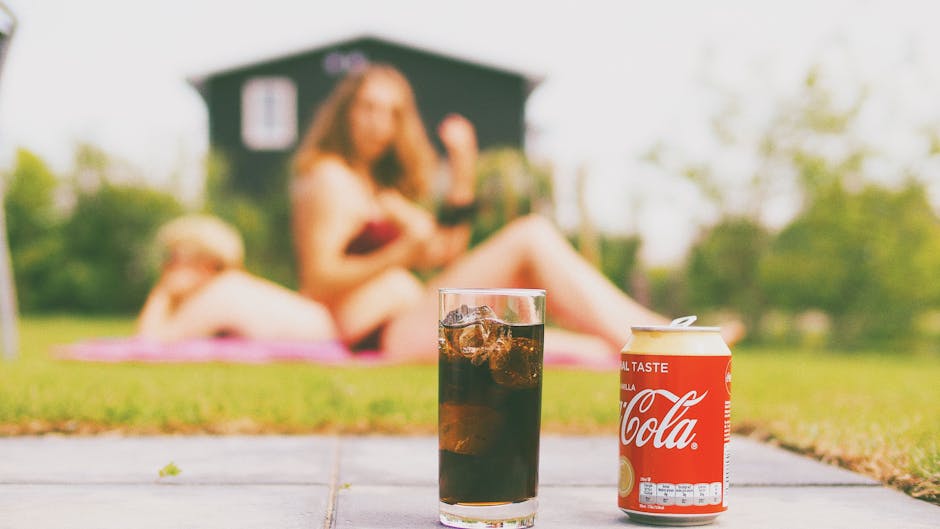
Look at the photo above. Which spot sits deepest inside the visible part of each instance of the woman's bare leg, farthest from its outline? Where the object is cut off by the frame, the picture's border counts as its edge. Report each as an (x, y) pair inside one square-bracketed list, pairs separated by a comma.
[(584, 347), (367, 306), (527, 253)]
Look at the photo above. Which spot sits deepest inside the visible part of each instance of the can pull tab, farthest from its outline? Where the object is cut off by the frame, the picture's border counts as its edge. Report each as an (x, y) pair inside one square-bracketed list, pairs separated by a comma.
[(684, 321)]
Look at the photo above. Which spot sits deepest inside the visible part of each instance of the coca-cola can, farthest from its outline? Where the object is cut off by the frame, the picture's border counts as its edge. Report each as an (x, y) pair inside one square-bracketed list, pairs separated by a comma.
[(675, 424)]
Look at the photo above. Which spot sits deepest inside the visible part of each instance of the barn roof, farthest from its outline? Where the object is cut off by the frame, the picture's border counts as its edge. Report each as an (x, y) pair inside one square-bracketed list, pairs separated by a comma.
[(198, 81)]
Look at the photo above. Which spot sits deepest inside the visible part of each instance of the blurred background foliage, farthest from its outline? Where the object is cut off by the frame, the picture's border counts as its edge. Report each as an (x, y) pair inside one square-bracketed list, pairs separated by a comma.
[(81, 241), (263, 221), (855, 267), (509, 185)]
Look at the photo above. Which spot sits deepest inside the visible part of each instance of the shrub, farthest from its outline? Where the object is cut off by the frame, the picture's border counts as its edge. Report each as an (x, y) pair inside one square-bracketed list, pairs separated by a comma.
[(869, 259), (722, 269), (107, 247), (92, 257), (509, 185), (32, 228)]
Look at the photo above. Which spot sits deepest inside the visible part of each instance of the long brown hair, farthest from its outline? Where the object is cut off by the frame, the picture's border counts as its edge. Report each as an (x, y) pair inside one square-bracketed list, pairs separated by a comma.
[(408, 163)]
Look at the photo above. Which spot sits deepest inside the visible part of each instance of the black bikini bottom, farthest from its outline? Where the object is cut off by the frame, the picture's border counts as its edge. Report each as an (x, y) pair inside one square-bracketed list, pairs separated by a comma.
[(369, 342)]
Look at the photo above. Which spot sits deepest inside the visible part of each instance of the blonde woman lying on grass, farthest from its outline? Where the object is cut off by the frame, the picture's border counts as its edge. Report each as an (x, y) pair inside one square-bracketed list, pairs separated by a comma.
[(203, 291)]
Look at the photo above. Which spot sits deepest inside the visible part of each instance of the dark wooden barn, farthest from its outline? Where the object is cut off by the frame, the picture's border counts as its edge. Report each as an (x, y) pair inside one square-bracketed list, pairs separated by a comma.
[(259, 112)]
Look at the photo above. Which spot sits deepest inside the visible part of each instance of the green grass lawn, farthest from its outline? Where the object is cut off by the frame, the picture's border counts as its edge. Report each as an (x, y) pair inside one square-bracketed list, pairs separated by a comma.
[(874, 413)]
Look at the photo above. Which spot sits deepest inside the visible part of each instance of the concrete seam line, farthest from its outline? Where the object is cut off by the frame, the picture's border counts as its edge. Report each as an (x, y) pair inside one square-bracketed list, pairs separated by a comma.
[(330, 519)]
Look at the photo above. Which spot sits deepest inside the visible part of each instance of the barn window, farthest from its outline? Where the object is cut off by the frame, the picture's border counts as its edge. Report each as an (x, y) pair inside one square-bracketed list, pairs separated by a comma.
[(269, 113)]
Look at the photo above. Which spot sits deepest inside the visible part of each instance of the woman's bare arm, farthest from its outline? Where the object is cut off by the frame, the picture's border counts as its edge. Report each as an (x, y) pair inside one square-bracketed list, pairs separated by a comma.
[(445, 243), (160, 320), (156, 312), (459, 138)]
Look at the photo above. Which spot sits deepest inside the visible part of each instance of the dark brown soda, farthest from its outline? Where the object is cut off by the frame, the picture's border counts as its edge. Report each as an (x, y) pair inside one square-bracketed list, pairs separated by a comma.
[(508, 416)]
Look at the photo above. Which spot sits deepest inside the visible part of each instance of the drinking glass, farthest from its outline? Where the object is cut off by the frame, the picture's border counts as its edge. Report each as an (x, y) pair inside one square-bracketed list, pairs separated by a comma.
[(489, 405)]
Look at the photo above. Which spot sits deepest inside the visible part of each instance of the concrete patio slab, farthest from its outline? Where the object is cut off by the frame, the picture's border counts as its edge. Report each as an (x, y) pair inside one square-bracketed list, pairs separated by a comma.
[(387, 460), (578, 461), (858, 507), (755, 463), (85, 506), (388, 482), (202, 459)]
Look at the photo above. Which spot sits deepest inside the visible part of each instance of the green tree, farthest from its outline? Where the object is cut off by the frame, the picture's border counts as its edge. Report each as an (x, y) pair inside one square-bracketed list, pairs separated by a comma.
[(809, 143), (108, 243), (868, 258), (845, 253), (619, 256), (29, 199), (95, 256), (509, 185), (668, 290), (723, 268), (263, 221), (33, 228)]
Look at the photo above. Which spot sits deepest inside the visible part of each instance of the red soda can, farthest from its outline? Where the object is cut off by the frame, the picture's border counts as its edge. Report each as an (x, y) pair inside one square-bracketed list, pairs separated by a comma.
[(675, 424)]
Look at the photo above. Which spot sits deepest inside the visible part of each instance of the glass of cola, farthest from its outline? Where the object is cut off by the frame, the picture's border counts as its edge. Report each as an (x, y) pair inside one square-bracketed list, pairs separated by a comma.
[(489, 405)]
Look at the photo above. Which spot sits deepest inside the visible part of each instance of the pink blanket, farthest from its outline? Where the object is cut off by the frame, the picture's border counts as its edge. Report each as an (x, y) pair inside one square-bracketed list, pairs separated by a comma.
[(241, 351), (226, 350)]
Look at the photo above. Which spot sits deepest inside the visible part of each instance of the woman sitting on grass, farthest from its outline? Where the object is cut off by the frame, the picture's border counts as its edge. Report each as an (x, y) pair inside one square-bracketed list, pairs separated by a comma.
[(203, 291), (361, 176)]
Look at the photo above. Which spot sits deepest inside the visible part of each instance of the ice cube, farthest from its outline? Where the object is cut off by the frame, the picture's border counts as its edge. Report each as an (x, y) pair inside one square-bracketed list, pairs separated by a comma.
[(447, 342), (497, 338), (467, 428), (464, 342), (464, 315), (519, 366), (471, 342), (477, 336)]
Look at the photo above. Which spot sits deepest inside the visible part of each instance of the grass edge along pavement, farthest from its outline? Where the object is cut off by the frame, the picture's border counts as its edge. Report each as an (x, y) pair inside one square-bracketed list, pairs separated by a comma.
[(872, 413)]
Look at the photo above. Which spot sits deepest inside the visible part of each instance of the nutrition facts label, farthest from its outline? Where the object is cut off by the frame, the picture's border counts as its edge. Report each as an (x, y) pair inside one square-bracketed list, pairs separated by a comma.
[(681, 494)]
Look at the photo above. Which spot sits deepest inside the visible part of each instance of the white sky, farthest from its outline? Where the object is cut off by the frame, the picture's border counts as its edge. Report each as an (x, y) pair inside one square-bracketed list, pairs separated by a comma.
[(620, 76)]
